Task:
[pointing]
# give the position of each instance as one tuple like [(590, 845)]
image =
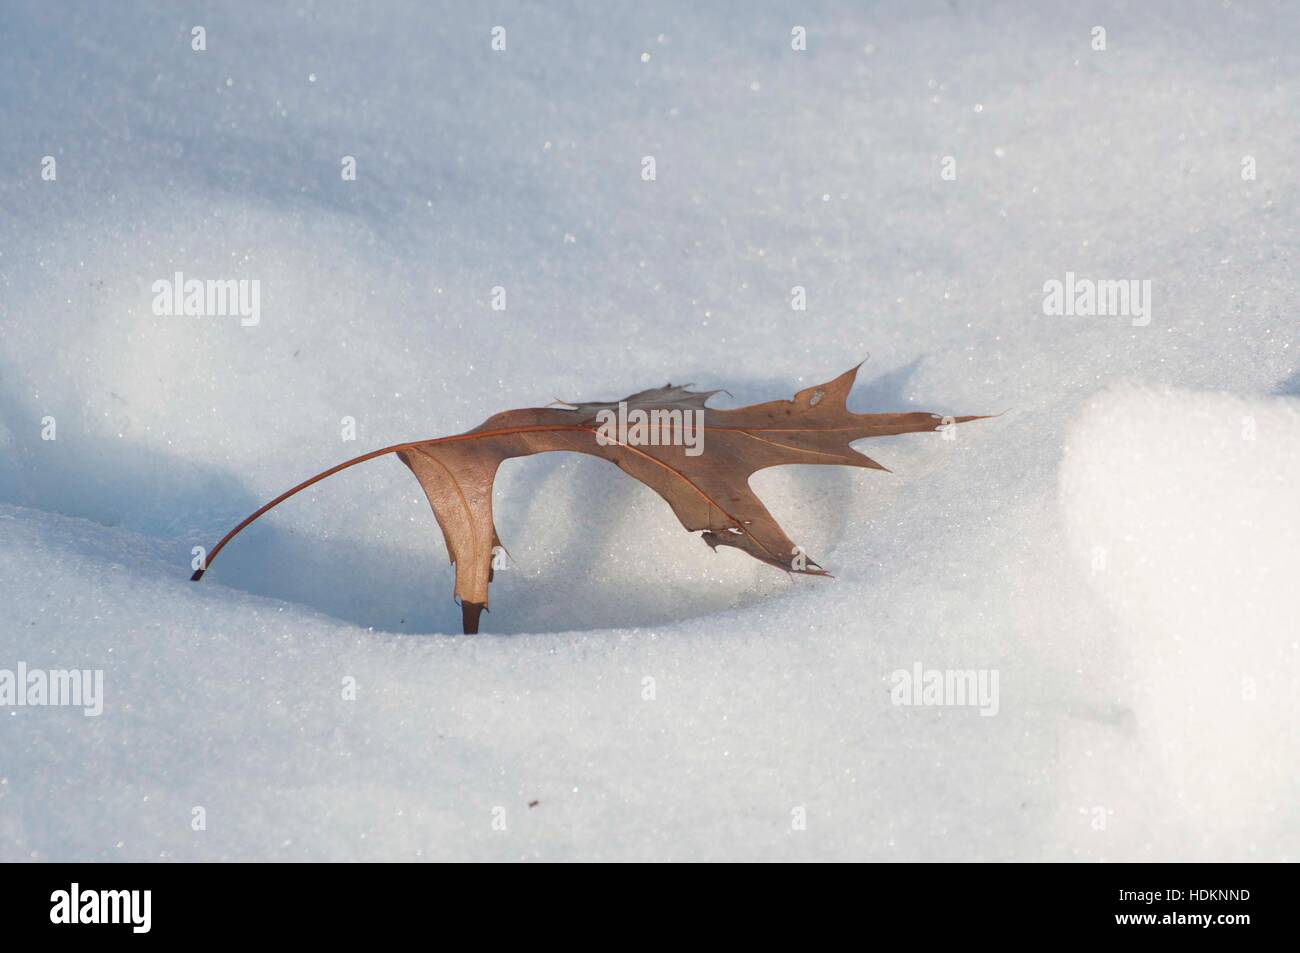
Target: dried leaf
[(698, 458)]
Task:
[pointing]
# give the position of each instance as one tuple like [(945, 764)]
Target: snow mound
[(1182, 511)]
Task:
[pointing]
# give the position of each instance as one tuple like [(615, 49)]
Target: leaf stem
[(207, 563)]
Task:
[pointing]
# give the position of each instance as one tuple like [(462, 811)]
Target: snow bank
[(1183, 514)]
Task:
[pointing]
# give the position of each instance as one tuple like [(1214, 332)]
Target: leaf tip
[(469, 614)]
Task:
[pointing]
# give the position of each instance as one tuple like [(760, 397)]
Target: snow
[(1147, 694), (1183, 506)]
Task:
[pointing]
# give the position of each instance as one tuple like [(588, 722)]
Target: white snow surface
[(1120, 545)]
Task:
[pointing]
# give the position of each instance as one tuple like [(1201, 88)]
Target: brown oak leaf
[(698, 458)]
